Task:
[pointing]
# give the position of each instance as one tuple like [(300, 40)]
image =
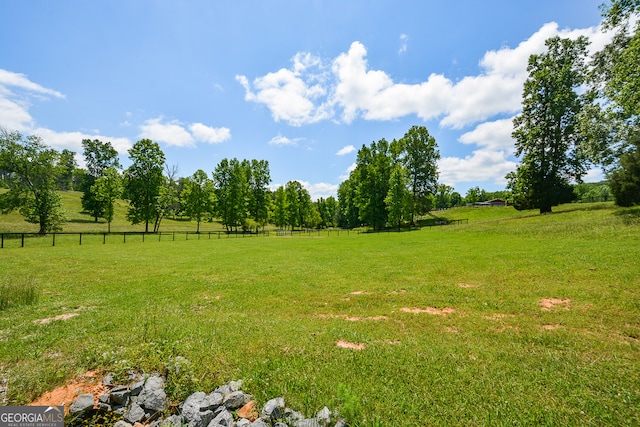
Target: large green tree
[(198, 197), (232, 191), (624, 180), (31, 170), (259, 195), (348, 215), (398, 199), (371, 179), (143, 181), (106, 190), (547, 132), (99, 156), (419, 153)]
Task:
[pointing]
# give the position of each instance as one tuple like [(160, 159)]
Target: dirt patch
[(467, 285), (451, 330), (350, 345), (352, 318), (551, 327), (249, 411), (361, 293), (401, 291), (498, 316), (67, 394), (65, 316), (549, 304), (429, 310)]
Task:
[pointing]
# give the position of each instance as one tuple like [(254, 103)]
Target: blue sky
[(302, 84)]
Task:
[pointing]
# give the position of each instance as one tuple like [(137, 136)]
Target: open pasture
[(512, 319)]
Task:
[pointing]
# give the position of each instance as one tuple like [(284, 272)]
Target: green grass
[(269, 311)]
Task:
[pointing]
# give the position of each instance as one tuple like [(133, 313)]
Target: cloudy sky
[(300, 83)]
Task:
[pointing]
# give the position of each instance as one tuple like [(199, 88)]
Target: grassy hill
[(511, 319)]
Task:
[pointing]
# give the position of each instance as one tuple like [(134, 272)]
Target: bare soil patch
[(467, 285), (451, 330), (401, 291), (498, 316), (88, 382), (361, 293), (352, 318), (350, 345), (551, 327), (429, 310), (65, 316), (549, 304)]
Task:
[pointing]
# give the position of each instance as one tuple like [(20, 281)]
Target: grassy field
[(511, 319)]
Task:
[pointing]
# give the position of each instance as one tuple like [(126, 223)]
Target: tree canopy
[(31, 171), (547, 132)]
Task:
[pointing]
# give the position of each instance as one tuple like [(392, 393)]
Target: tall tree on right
[(547, 132)]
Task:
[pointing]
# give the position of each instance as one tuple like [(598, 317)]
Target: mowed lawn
[(511, 319)]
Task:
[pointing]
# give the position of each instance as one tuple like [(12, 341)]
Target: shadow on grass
[(629, 216)]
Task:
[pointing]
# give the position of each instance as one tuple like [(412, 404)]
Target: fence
[(52, 239)]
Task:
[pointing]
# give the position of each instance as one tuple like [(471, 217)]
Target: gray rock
[(211, 402), (308, 422), (259, 423), (224, 389), (108, 380), (122, 424), (84, 402), (235, 385), (119, 396), (223, 419), (243, 422), (136, 387), (134, 414), (235, 400), (273, 409), (279, 424), (324, 416), (194, 412), (172, 421), (292, 416), (103, 398), (341, 423), (152, 397), (104, 407)]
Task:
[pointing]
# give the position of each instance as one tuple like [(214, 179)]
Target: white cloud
[(291, 94), (178, 134), (346, 150), (481, 165), (73, 140), (308, 93), (348, 171), (404, 39), (283, 140), (208, 134), (16, 94), (320, 189), (494, 135), (171, 133), (9, 78)]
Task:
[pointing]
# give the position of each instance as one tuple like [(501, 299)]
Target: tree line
[(576, 112)]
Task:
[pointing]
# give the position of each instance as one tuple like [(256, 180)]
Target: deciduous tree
[(98, 156), (547, 132), (31, 171), (198, 197), (106, 190), (143, 181)]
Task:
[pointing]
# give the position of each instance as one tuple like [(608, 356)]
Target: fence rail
[(57, 238)]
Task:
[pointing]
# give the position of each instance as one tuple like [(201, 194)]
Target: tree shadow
[(629, 216)]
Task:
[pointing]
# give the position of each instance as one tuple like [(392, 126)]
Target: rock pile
[(144, 402)]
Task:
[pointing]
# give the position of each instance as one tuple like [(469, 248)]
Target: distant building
[(490, 203)]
